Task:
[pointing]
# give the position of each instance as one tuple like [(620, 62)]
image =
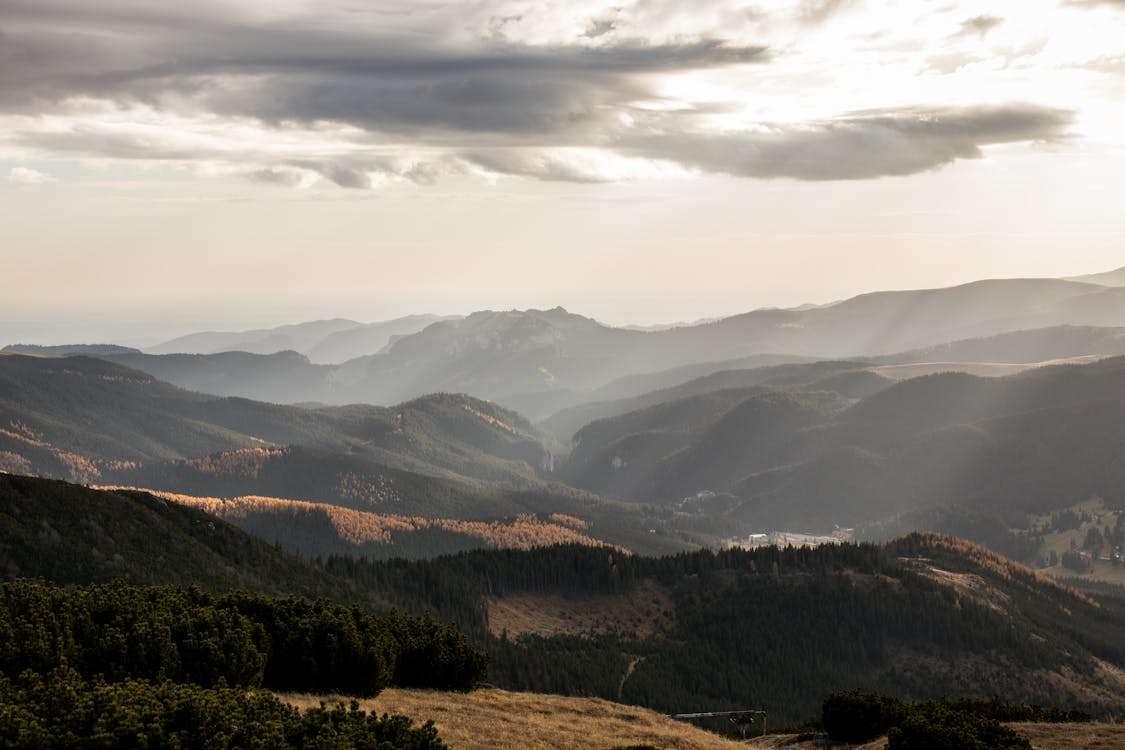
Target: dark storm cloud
[(383, 83), (864, 145)]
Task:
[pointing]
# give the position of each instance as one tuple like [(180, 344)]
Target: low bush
[(62, 710), (855, 716), (941, 728)]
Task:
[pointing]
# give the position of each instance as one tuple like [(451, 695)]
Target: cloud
[(819, 11), (25, 176), (979, 25), (286, 92), (858, 146)]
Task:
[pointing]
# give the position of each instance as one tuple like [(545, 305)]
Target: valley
[(647, 375), (675, 539)]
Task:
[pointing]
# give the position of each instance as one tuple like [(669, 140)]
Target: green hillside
[(922, 617), (918, 618), (71, 535)]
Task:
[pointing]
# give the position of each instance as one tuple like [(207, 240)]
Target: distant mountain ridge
[(69, 350), (1115, 277), (1022, 346), (297, 336), (323, 341), (541, 361)]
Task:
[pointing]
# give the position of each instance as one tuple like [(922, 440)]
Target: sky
[(236, 164)]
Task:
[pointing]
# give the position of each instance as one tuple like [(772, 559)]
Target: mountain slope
[(297, 337), (490, 718), (302, 474), (850, 379), (1115, 277), (919, 618), (776, 629), (281, 377), (1027, 346), (69, 534), (368, 339), (1030, 443), (322, 529), (69, 350), (75, 417), (323, 341)]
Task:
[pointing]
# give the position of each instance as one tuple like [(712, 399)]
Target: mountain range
[(807, 446), (854, 447), (539, 362), (322, 341), (658, 440), (443, 457), (558, 456)]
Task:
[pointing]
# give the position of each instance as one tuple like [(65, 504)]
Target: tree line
[(117, 632), (773, 628)]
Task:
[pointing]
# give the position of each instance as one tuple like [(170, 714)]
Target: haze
[(247, 164)]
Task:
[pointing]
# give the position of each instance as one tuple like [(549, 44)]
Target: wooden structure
[(741, 719)]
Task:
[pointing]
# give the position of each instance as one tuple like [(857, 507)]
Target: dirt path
[(628, 673)]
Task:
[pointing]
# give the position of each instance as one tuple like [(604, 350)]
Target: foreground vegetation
[(857, 717), (62, 710), (119, 632), (777, 629), (490, 718), (770, 628), (113, 665)]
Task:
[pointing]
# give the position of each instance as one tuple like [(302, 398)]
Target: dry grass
[(1073, 736), (644, 611), (1091, 736), (493, 719), (969, 585), (487, 719), (358, 527)]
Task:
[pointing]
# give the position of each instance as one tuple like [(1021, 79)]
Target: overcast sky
[(232, 164)]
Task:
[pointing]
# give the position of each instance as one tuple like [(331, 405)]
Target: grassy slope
[(490, 719), (1042, 737)]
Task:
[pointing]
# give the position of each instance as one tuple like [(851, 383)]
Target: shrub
[(854, 716), (61, 710), (940, 728)]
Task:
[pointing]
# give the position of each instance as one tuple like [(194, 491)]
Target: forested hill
[(71, 535), (73, 417), (922, 617)]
